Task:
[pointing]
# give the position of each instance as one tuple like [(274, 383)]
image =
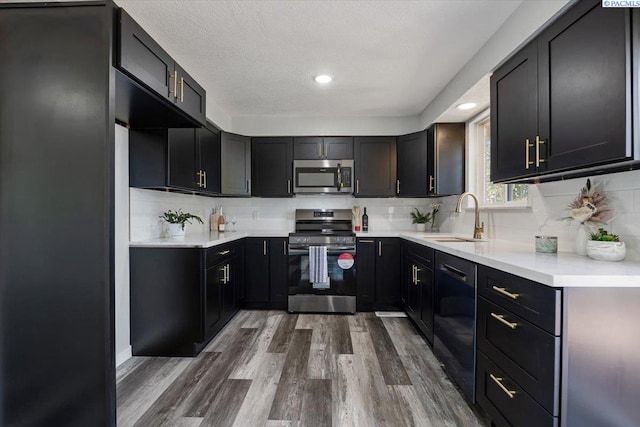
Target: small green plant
[(418, 217), (602, 236), (179, 217)]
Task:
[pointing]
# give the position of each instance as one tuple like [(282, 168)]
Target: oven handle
[(333, 251)]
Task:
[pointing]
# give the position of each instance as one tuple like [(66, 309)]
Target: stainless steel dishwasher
[(455, 319)]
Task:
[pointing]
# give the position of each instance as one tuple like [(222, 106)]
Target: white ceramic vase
[(176, 231), (421, 227), (582, 237), (606, 251)]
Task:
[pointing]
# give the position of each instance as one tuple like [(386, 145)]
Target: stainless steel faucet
[(478, 228)]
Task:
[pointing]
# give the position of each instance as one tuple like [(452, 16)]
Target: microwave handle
[(339, 183)]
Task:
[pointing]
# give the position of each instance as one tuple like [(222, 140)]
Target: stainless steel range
[(322, 262)]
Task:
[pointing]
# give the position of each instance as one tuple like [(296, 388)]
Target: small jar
[(546, 244)]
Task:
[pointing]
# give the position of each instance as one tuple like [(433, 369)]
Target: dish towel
[(318, 269)]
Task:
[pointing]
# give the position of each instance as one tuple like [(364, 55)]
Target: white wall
[(121, 245), (548, 205)]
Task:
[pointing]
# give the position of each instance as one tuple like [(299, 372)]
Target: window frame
[(475, 168)]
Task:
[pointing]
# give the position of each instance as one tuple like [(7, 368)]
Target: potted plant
[(177, 220), (420, 219), (603, 246)]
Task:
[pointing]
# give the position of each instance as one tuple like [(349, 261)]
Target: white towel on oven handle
[(318, 268)]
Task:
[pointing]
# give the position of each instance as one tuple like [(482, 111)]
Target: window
[(490, 194)]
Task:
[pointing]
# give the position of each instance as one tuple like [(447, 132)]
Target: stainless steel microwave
[(322, 176)]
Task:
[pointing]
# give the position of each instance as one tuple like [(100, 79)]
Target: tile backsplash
[(547, 205)]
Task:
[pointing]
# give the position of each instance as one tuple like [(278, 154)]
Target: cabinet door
[(278, 273), (213, 298), (209, 143), (190, 96), (183, 166), (366, 277), (308, 148), (413, 291), (412, 165), (338, 147), (256, 278), (514, 117), (235, 164), (388, 274), (584, 94), (271, 167), (375, 166), (424, 276), (142, 58), (445, 154), (229, 290)]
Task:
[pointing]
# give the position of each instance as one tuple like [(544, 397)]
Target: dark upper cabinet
[(431, 162), (184, 159), (318, 147), (445, 158), (412, 165), (514, 115), (563, 102), (584, 77), (272, 167), (375, 166), (141, 58), (235, 164)]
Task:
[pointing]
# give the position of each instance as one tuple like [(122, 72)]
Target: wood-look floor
[(270, 368)]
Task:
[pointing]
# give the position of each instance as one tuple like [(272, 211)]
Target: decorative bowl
[(606, 251)]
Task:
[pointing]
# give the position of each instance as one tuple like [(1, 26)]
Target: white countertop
[(563, 269)]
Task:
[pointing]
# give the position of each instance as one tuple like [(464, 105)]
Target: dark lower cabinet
[(378, 284), (182, 297), (417, 279), (266, 273)]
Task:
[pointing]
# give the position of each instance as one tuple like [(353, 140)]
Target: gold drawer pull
[(366, 241), (224, 252), (504, 291), (500, 318), (510, 393)]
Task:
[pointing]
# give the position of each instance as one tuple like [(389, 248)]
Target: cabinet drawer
[(528, 354), (423, 253), (217, 253), (539, 304), (505, 401)]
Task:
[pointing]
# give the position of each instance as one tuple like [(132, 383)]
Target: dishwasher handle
[(453, 272)]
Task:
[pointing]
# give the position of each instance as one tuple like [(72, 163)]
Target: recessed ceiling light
[(466, 106), (323, 79)]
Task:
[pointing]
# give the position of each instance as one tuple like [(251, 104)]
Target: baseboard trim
[(123, 356)]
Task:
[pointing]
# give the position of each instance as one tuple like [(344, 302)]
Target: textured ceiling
[(257, 58)]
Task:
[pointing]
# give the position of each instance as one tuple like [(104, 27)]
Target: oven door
[(341, 265)]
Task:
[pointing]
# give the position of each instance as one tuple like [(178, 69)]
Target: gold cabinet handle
[(181, 89), (431, 183), (288, 186), (357, 186), (284, 247), (264, 247), (366, 241), (249, 186), (538, 159), (498, 381), (204, 173), (413, 274), (500, 318), (418, 270), (173, 76), (527, 161), (224, 252), (504, 292), (228, 273), (379, 248), (223, 270), (397, 186), (200, 184)]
